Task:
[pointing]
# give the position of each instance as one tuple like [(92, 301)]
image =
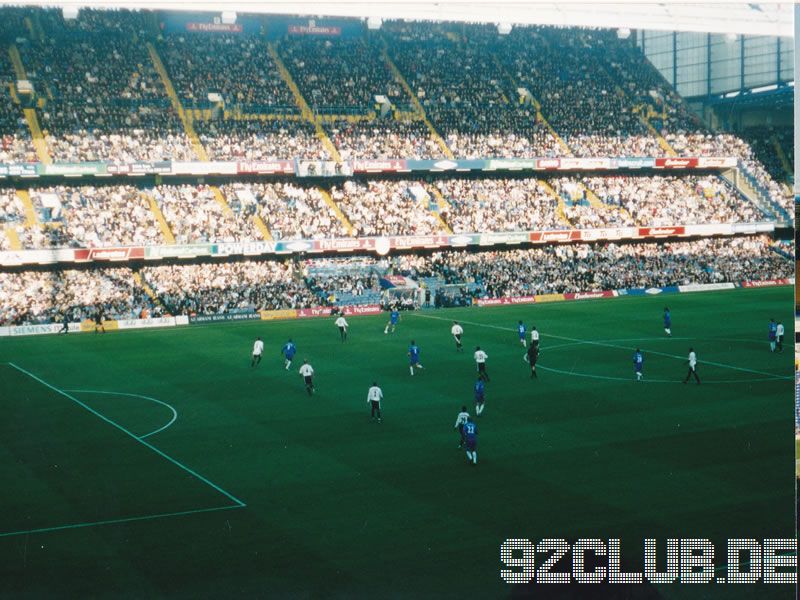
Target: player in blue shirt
[(638, 363), (288, 351), (667, 321), (773, 333), (394, 317), (413, 357), (479, 388), (521, 329), (471, 441)]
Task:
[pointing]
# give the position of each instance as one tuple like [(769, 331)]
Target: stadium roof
[(773, 19)]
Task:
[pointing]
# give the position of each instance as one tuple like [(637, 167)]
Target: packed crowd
[(477, 205), (12, 215), (384, 138), (46, 296), (195, 214), (231, 139), (74, 295), (341, 76), (90, 217), (102, 216), (385, 207), (238, 68), (229, 287), (103, 96), (469, 99), (15, 137), (658, 201), (288, 210), (583, 267), (706, 144), (566, 71), (763, 139)]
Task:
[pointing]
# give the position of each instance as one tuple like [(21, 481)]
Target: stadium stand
[(103, 98), (265, 285), (223, 288), (50, 296)]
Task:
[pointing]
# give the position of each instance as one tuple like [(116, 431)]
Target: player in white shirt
[(461, 419), (480, 360), (779, 332), (457, 332), (534, 336), (307, 371), (342, 325), (374, 397), (692, 367), (258, 350)]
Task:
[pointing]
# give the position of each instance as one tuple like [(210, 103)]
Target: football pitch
[(159, 463)]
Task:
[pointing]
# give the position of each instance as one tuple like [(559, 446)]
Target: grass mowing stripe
[(133, 435), (607, 345), (123, 520)]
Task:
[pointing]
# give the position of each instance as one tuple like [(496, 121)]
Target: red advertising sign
[(505, 301), (325, 311), (676, 163), (766, 283), (589, 295), (548, 163), (366, 309), (716, 162), (215, 27), (416, 241), (345, 244), (89, 254), (555, 236), (661, 231), (361, 166), (265, 166), (313, 29)]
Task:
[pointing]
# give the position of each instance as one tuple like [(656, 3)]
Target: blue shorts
[(471, 443), (638, 369)]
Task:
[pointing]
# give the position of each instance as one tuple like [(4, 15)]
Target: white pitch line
[(127, 432), (607, 345), (159, 430)]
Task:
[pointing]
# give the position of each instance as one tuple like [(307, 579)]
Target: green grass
[(337, 506)]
